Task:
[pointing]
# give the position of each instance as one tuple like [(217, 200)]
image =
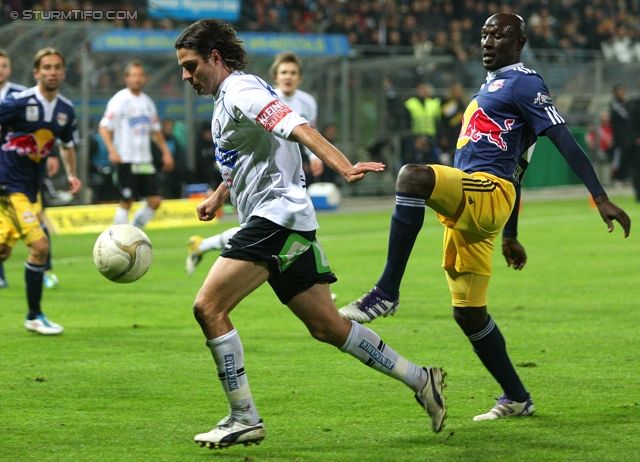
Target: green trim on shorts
[(295, 246), (322, 264)]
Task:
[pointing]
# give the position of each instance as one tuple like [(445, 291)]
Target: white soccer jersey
[(305, 105), (131, 119), (262, 170), (302, 103)]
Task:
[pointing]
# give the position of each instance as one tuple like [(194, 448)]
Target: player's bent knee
[(331, 333), (416, 179), (470, 319), (39, 250)]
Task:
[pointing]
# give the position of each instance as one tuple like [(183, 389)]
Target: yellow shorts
[(473, 208), (18, 220), (37, 205)]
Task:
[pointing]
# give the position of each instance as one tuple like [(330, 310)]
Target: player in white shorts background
[(129, 124)]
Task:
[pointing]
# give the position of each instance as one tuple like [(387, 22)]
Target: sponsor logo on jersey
[(542, 99), (272, 114), (143, 119), (28, 217), (477, 124), (496, 85), (35, 145), (61, 118), (376, 355), (32, 114)]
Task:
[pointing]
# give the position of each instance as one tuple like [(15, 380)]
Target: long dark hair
[(213, 34)]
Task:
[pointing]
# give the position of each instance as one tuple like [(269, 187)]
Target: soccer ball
[(123, 253)]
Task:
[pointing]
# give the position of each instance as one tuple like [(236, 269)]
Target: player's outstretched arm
[(581, 165), (332, 156), (610, 211)]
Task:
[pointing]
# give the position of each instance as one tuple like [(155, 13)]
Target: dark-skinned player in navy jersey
[(479, 198)]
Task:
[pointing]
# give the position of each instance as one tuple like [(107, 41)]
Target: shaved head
[(503, 39), (511, 23)]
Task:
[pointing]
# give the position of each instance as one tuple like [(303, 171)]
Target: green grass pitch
[(131, 379)]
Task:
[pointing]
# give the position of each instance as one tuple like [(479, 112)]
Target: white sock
[(218, 241), (365, 345), (229, 357), (121, 217), (142, 216)]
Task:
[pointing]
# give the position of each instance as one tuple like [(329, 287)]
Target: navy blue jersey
[(30, 127), (502, 123), (9, 88)]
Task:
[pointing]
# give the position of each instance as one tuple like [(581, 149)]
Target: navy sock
[(33, 276), (491, 348), (406, 223), (2, 271), (47, 265)]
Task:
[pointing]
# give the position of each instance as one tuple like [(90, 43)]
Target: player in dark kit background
[(479, 198), (32, 121)]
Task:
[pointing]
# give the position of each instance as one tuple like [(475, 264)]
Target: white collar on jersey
[(493, 74), (48, 106)]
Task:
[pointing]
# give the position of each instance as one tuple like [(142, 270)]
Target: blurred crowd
[(438, 27)]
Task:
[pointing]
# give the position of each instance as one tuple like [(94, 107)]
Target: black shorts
[(295, 258), (133, 186)]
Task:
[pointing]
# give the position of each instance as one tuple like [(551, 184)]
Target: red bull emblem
[(477, 124), (496, 85), (35, 145)]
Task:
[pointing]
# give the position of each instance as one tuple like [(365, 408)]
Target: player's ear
[(521, 43)]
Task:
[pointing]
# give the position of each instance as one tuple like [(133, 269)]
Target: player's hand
[(206, 210), (610, 211), (53, 165), (167, 162), (317, 167), (114, 157), (74, 184), (358, 171), (514, 253)]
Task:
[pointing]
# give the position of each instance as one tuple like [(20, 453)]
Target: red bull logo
[(477, 124), (35, 145)]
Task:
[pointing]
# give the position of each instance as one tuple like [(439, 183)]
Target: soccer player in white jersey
[(256, 137), (127, 127), (286, 72)]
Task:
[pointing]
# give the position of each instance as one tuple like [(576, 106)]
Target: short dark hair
[(206, 35), (46, 52)]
